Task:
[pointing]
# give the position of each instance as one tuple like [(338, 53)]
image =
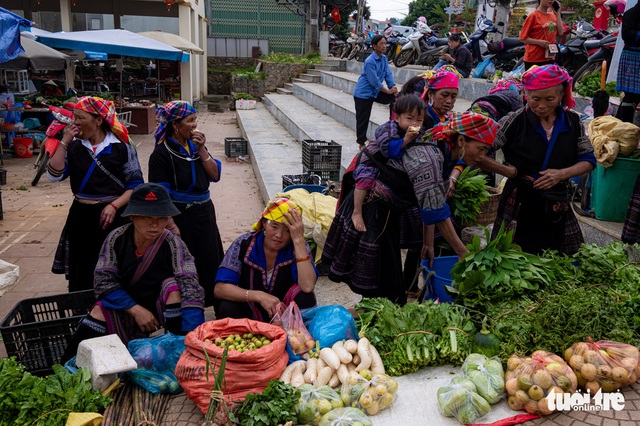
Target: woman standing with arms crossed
[(181, 163), (96, 154)]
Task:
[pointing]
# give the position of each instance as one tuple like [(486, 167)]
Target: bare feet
[(358, 222), (361, 146)]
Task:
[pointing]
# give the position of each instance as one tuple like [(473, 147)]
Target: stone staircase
[(319, 105)]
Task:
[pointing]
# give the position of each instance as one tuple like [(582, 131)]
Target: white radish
[(376, 361), (330, 358), (344, 355), (288, 372), (351, 345), (320, 364), (324, 376), (343, 372), (351, 366), (356, 359), (310, 374), (297, 379), (364, 353), (334, 382)]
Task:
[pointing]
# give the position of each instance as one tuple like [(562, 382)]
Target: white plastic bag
[(9, 274)]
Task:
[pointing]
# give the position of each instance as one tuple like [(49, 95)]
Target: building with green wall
[(262, 19)]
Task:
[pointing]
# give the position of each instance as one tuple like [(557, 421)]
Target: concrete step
[(303, 121), (274, 152), (313, 78), (339, 105), (337, 63), (301, 80), (325, 67), (288, 86), (284, 91), (313, 71), (599, 232)]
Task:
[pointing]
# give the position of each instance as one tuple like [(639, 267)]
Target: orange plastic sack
[(245, 372), (603, 365), (289, 318), (529, 380)]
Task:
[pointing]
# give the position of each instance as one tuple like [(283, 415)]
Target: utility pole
[(359, 29)]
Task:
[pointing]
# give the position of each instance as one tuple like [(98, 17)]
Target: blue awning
[(10, 23), (113, 42)]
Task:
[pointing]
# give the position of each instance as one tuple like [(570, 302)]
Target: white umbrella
[(174, 41)]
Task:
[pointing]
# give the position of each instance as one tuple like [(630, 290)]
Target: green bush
[(309, 58), (244, 95)]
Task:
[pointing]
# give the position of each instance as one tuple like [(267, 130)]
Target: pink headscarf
[(443, 80), (508, 83), (536, 78)]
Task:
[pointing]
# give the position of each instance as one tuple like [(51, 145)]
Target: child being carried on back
[(399, 132)]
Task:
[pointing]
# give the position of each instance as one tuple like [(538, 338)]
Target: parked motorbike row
[(582, 55)]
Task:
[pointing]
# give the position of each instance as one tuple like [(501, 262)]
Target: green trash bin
[(611, 189)]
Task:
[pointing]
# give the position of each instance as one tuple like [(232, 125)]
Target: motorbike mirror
[(501, 24)]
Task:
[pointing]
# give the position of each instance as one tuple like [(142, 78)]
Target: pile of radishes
[(334, 364)]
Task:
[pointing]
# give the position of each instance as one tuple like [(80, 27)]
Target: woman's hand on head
[(549, 178), (294, 223)]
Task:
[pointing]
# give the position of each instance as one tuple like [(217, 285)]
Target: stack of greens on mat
[(416, 335), (471, 192)]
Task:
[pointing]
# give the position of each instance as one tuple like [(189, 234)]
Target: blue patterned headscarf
[(172, 111)]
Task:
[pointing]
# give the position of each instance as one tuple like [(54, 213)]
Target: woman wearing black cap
[(145, 277)]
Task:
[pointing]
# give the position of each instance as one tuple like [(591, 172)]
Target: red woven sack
[(245, 372)]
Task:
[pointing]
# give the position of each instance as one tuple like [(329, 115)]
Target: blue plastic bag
[(329, 324), (157, 358), (478, 72)]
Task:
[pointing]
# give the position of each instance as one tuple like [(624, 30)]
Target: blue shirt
[(374, 71)]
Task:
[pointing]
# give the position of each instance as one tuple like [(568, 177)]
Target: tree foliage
[(433, 10)]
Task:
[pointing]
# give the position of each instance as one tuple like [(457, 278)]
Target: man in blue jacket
[(370, 89)]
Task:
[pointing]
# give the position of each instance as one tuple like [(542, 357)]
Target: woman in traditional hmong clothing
[(506, 97), (545, 146), (181, 163), (369, 262), (628, 80), (631, 228), (97, 155), (145, 276), (270, 265)]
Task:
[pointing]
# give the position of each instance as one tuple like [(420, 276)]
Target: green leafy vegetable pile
[(470, 193), (589, 85), (501, 270), (276, 405), (29, 400), (416, 335)]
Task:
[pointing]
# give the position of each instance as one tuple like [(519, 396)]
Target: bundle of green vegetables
[(501, 270), (416, 335), (471, 192)]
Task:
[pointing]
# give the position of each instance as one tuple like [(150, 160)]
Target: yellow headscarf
[(275, 211)]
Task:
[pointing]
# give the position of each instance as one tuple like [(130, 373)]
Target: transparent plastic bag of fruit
[(367, 391), (289, 318), (487, 374), (459, 399), (529, 381), (315, 402), (603, 365), (346, 416)]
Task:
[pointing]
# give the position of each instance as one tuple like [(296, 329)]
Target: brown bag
[(245, 372)]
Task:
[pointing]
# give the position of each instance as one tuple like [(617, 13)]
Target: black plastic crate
[(325, 175), (305, 179), (37, 330), (321, 155), (235, 147)]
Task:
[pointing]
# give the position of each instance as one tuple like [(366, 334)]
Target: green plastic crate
[(611, 189)]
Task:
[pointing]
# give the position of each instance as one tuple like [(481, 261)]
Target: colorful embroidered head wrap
[(536, 78), (106, 110), (508, 83), (172, 111), (471, 124), (443, 80), (275, 211)]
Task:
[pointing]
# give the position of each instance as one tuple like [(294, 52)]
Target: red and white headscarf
[(106, 110), (471, 124), (541, 77)]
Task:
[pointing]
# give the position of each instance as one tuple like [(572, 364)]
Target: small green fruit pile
[(241, 343)]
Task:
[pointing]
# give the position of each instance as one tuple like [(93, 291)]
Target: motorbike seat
[(591, 44), (442, 41), (511, 42)]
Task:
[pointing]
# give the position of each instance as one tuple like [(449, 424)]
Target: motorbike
[(362, 45), (336, 46), (63, 116), (594, 64), (575, 52), (349, 45), (421, 50), (504, 54), (394, 43)]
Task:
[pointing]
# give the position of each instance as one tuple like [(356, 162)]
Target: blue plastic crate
[(442, 267)]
